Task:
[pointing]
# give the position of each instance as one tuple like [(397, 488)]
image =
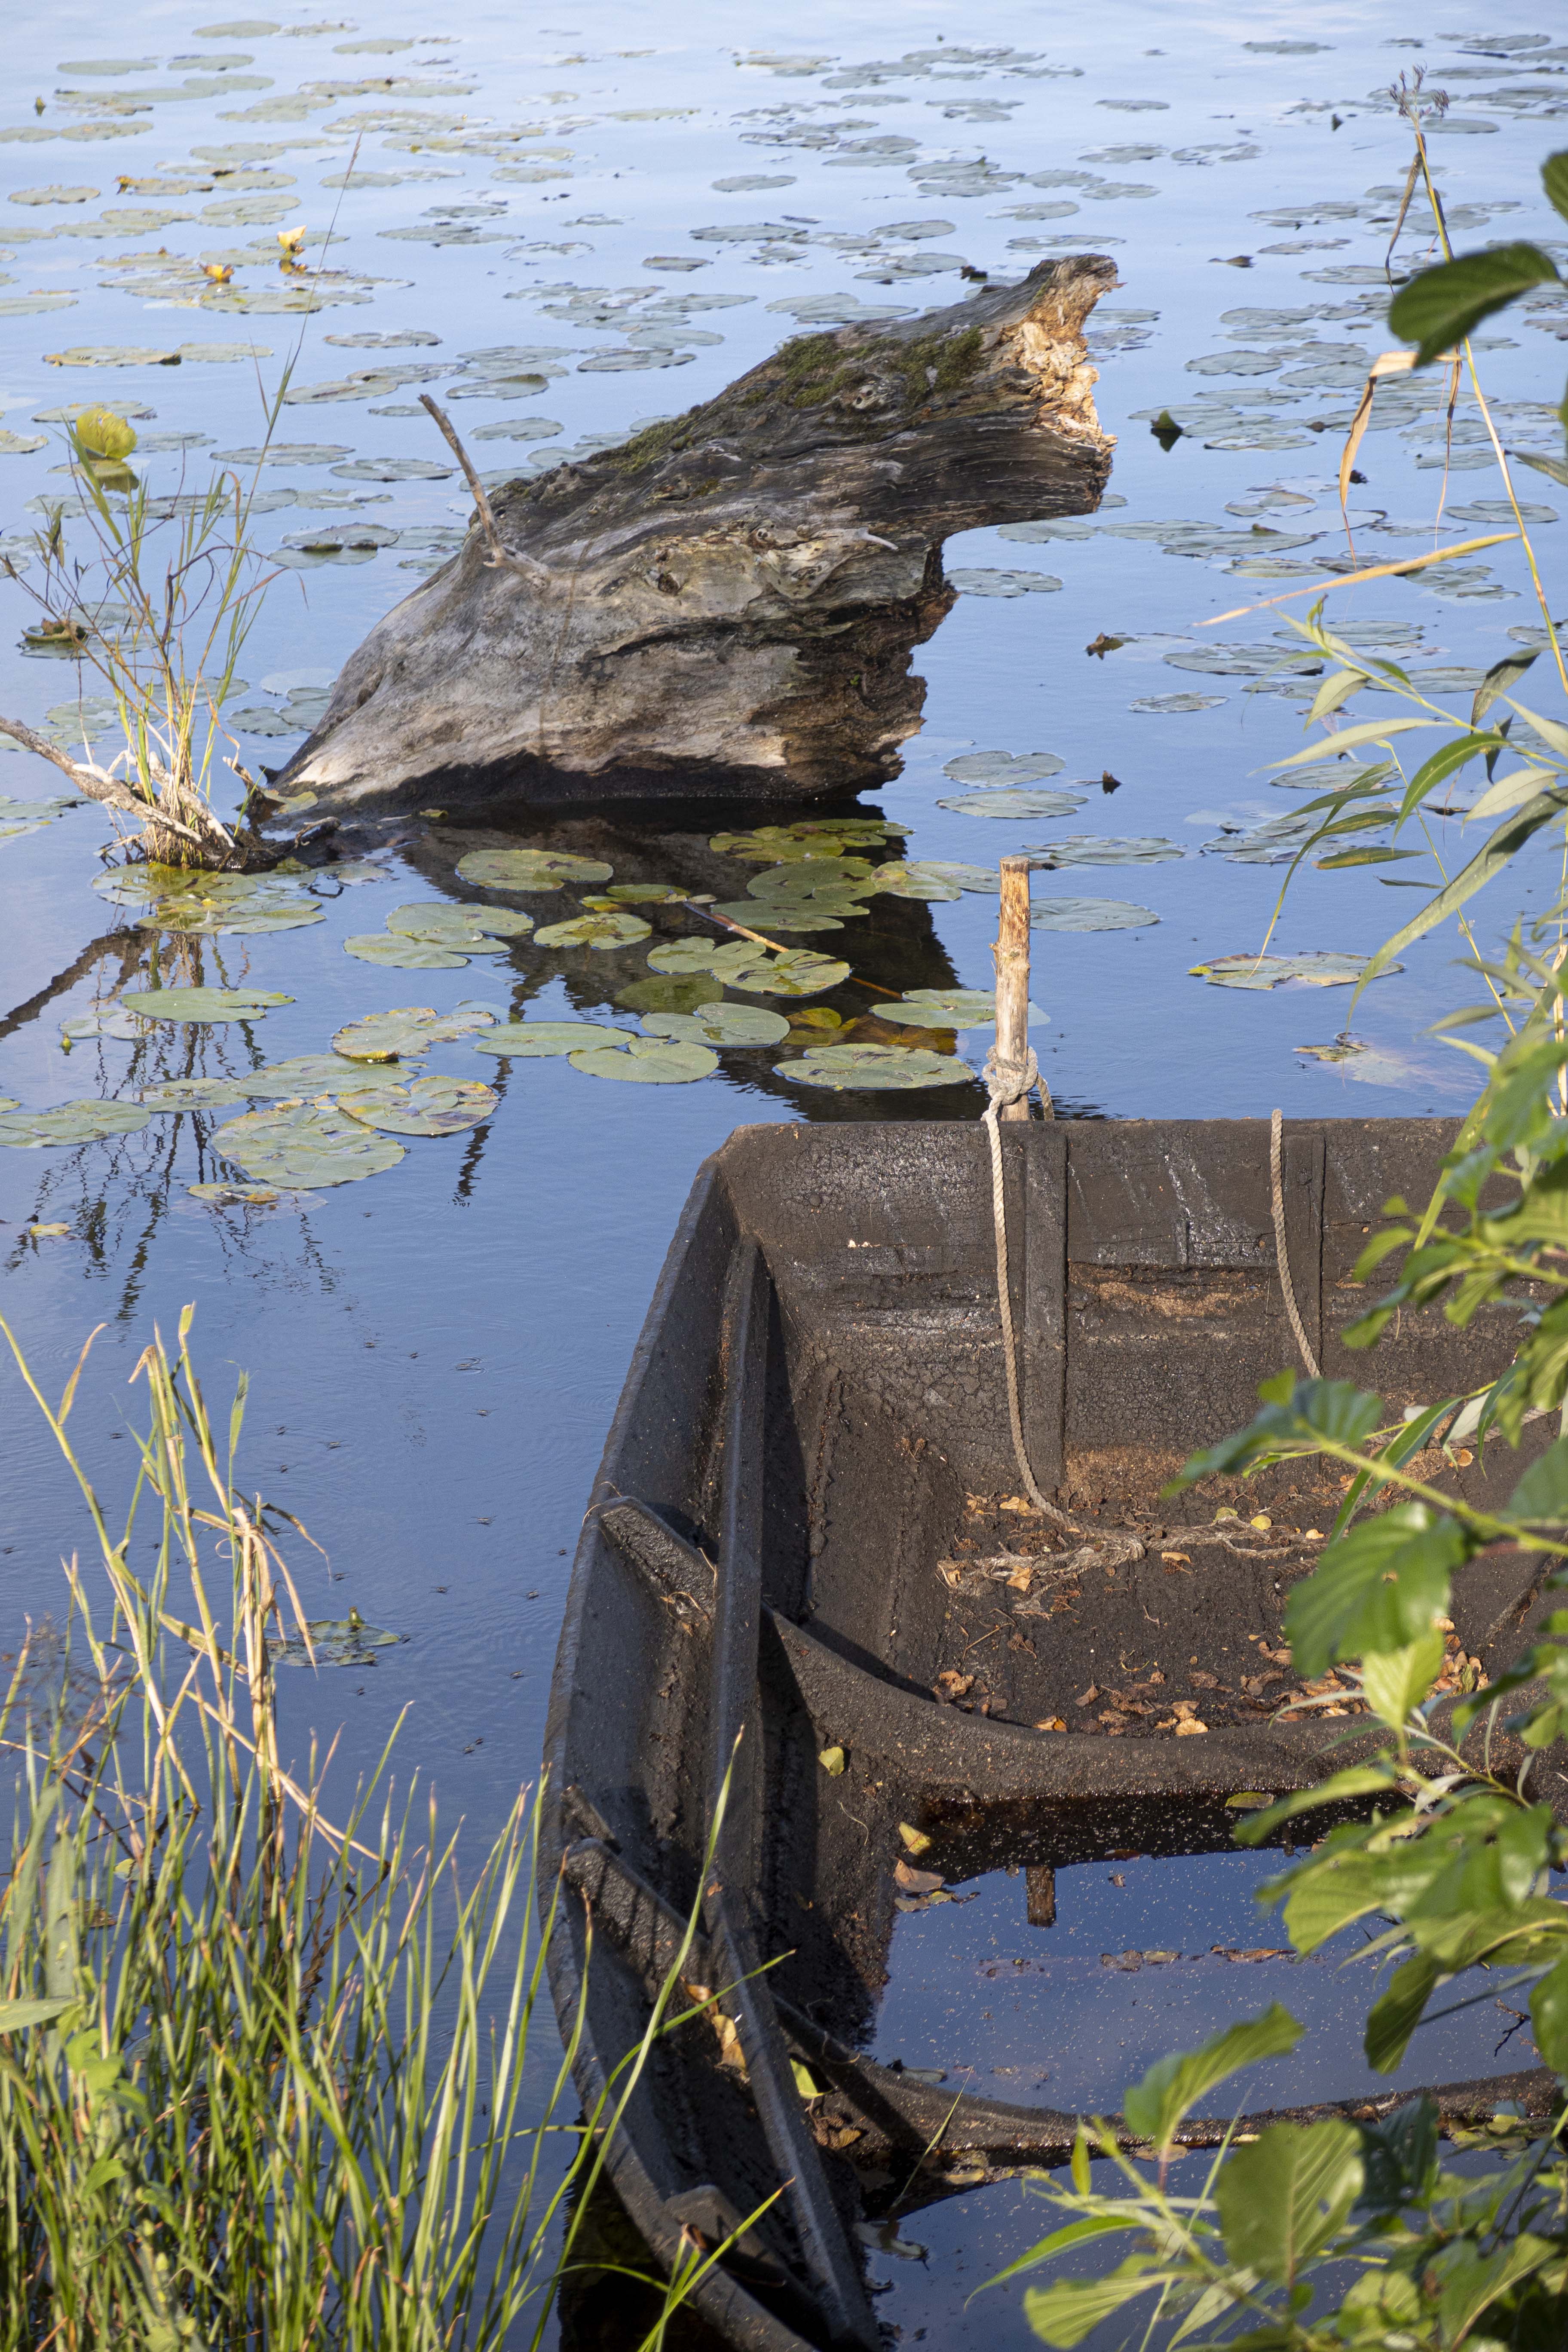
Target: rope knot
[(1007, 1081)]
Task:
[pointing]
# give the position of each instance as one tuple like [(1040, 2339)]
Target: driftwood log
[(728, 602)]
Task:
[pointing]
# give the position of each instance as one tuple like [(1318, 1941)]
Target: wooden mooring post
[(1012, 958)]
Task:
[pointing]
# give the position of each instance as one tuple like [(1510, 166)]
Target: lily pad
[(671, 992), (546, 1040), (813, 837), (853, 1068), (1158, 702), (333, 1642), (310, 1073), (944, 1008), (644, 894), (72, 1122), (424, 1107), (595, 931), (477, 930), (393, 470), (401, 954), (792, 914), (202, 1003), (1014, 804), (529, 869), (649, 1061), (1320, 967), (984, 879), (109, 1021), (407, 1030), (797, 972), (722, 1024), (814, 877), (192, 1093), (234, 1196), (980, 581), (1089, 849), (1088, 915), (305, 1146), (211, 906), (1002, 767), (916, 879)]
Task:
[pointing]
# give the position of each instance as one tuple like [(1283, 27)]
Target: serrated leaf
[(1379, 1587), (1282, 2199), (1154, 2108)]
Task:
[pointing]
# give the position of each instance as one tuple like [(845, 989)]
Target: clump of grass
[(157, 607), (261, 2076)]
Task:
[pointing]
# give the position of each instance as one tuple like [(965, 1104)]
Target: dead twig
[(500, 555)]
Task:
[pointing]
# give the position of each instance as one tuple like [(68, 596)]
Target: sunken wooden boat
[(807, 1521)]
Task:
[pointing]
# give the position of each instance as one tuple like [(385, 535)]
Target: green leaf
[(1442, 306), (1474, 2281), (1365, 857), (1296, 1417), (1510, 837), (1497, 680), (17, 2014), (1549, 2017), (1400, 2154), (1371, 730), (1358, 1780), (1154, 2107), (1063, 2313), (1075, 2233), (1554, 467), (1542, 1493), (1393, 2018), (1550, 731), (1282, 2199), (1379, 1587), (1396, 1681), (1554, 179)]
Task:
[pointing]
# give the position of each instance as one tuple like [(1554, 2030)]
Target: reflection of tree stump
[(729, 602)]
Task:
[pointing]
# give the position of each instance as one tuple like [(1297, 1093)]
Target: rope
[(1009, 1082), (1281, 1256)]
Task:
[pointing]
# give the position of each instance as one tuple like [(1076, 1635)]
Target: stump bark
[(727, 604)]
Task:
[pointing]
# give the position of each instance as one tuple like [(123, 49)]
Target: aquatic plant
[(1313, 2237), (158, 607), (261, 2072)]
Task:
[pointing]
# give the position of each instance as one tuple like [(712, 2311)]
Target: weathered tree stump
[(728, 602)]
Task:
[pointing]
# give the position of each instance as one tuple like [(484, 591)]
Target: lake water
[(431, 1397)]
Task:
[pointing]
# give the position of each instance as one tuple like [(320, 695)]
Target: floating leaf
[(851, 1068), (1156, 702), (402, 954), (722, 1025), (540, 1040), (652, 1061), (812, 837), (1088, 915), (309, 1073), (1002, 767), (305, 1146), (112, 1020), (407, 1030), (671, 993), (1089, 849), (1322, 967), (469, 927), (595, 931), (915, 877), (202, 1003), (945, 1008), (979, 580), (192, 1093), (814, 877), (644, 894), (424, 1107), (234, 1196), (529, 869), (804, 914), (333, 1642), (209, 905), (797, 972), (1014, 805), (72, 1122)]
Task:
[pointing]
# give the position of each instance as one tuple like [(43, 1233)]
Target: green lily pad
[(424, 1107), (851, 1068), (1014, 804), (333, 1642), (671, 993), (813, 837), (1320, 967), (470, 928), (595, 931), (792, 914), (916, 879), (202, 1003), (737, 964), (945, 1008), (1089, 849), (651, 1061), (112, 1020), (198, 921), (1002, 767), (179, 898), (722, 1024), (1088, 915), (529, 869), (407, 1030), (812, 876), (403, 955), (984, 879), (541, 1040), (305, 1146), (312, 1073), (646, 893), (72, 1122), (192, 1093), (234, 1196)]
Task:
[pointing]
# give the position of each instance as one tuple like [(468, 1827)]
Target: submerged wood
[(728, 602)]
